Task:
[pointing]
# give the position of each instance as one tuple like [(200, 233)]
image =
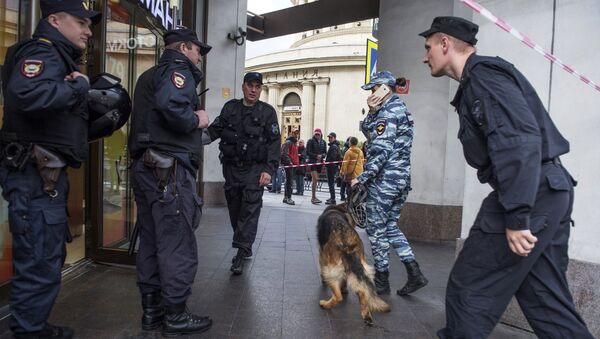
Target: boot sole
[(176, 334), (151, 327)]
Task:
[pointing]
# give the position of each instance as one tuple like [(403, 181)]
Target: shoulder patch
[(178, 80), (32, 68), (275, 128), (380, 126)]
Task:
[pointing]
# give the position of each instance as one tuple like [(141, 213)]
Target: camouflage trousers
[(383, 212)]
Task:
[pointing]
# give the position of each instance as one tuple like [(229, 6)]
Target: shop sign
[(292, 75), (291, 108), (160, 9)]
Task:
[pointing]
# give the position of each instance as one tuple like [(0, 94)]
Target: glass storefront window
[(9, 18), (131, 48)]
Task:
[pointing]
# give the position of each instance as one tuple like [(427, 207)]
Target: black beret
[(454, 26), (73, 7), (184, 34)]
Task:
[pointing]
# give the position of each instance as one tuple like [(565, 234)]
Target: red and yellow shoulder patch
[(178, 80), (32, 68), (380, 126)]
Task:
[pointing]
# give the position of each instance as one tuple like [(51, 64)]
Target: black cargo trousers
[(487, 273), (244, 201), (167, 258)]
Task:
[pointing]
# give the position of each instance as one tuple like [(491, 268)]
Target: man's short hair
[(459, 45), (353, 141), (177, 45)]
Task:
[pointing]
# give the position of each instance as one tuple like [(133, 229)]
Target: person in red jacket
[(289, 156)]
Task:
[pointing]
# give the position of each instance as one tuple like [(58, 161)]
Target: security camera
[(239, 37)]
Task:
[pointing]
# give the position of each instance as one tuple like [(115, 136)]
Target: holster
[(161, 165), (49, 165)]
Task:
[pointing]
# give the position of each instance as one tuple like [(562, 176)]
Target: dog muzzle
[(357, 204)]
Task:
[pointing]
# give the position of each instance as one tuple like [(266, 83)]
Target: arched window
[(292, 102)]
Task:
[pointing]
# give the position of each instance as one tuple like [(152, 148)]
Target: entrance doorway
[(132, 46), (291, 116)]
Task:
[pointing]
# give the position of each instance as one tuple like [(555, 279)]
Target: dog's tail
[(360, 280)]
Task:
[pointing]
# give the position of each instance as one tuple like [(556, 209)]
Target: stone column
[(274, 98), (321, 86), (264, 95), (308, 110)]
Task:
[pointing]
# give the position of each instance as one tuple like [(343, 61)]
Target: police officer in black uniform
[(518, 244), (250, 148), (44, 130), (165, 144)]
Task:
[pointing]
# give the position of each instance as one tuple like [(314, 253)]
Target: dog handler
[(389, 131), (518, 244)]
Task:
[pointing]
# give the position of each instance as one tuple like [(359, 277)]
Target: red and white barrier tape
[(530, 43), (318, 163)]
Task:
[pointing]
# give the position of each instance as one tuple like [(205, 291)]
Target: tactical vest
[(244, 137), (147, 128), (66, 131)]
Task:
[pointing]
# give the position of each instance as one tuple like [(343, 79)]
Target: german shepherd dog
[(342, 262)]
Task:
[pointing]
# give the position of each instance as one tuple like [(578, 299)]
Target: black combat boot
[(247, 257), (50, 331), (178, 321), (416, 279), (237, 267), (382, 282), (154, 313)]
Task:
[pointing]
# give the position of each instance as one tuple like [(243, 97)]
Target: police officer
[(165, 144), (250, 153), (389, 131), (518, 243), (45, 105)]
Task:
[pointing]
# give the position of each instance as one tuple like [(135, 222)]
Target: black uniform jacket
[(506, 133), (163, 115), (249, 135), (314, 148), (42, 107)]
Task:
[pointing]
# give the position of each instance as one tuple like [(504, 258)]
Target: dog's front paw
[(325, 304), (368, 320)]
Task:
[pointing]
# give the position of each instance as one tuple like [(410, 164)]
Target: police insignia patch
[(178, 80), (380, 126), (275, 128), (32, 68)]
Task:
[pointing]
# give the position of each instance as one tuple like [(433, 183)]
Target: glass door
[(131, 47)]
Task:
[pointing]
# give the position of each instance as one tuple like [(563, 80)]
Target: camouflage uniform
[(389, 131)]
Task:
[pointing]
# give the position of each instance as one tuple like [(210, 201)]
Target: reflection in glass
[(130, 50), (8, 36)]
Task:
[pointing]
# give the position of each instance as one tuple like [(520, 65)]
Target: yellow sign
[(225, 92), (371, 66)]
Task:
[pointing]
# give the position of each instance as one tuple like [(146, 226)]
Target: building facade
[(316, 82)]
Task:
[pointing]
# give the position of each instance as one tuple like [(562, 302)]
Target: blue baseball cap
[(380, 78)]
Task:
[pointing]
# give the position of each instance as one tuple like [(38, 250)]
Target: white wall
[(574, 108), (224, 69), (437, 161), (346, 100)]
